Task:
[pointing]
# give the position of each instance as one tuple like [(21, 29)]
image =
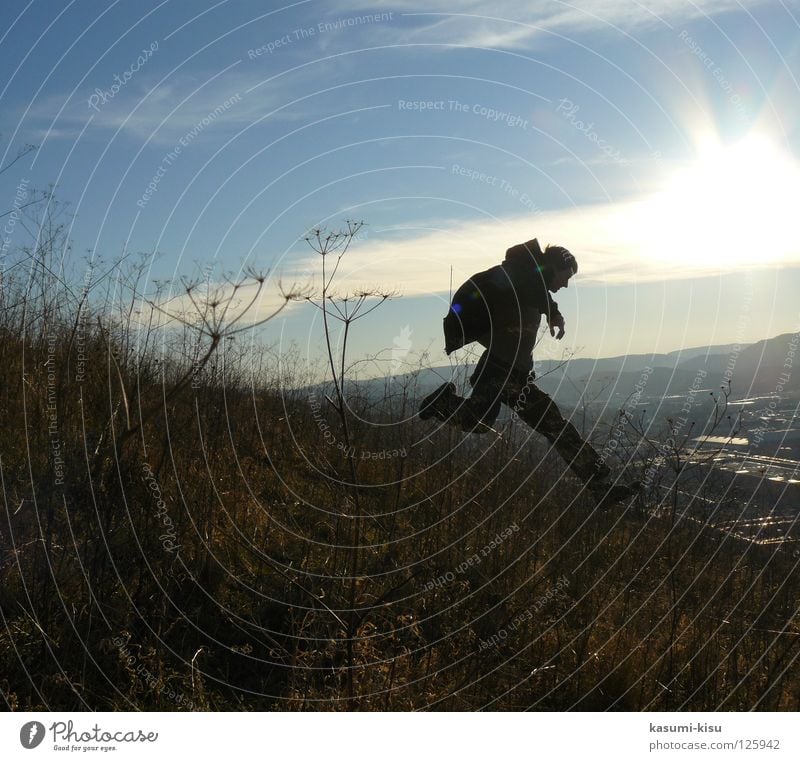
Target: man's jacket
[(501, 307)]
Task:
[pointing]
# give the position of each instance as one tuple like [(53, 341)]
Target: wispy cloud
[(511, 24), (163, 112)]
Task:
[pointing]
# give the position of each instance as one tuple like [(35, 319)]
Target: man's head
[(562, 266)]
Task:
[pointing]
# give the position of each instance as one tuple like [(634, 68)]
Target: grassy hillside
[(184, 529)]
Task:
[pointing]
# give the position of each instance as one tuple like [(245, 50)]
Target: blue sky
[(659, 141)]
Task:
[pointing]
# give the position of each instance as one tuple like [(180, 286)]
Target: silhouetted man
[(501, 309)]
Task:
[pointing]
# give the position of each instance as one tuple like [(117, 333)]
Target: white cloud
[(615, 244), (731, 208), (511, 24)]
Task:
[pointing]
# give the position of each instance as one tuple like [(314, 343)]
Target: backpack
[(470, 315)]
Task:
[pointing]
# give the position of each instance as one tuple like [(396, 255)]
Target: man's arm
[(555, 319), (541, 298)]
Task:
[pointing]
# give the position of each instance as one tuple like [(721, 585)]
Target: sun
[(732, 207)]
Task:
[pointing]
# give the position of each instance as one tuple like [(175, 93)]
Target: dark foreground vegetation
[(184, 527)]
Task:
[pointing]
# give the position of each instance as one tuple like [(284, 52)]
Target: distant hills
[(754, 369)]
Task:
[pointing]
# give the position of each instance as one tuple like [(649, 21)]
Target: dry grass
[(202, 556)]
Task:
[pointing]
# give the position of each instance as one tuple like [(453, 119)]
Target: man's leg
[(493, 382), (540, 412), (477, 412), (488, 380)]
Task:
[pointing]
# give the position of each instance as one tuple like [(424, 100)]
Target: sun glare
[(733, 207)]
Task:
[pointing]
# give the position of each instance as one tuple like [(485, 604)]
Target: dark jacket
[(502, 306)]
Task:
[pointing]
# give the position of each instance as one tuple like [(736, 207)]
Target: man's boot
[(447, 406), (607, 492), (441, 404)]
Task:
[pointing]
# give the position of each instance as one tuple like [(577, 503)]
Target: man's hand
[(556, 320)]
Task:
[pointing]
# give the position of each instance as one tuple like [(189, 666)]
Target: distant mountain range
[(754, 369)]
